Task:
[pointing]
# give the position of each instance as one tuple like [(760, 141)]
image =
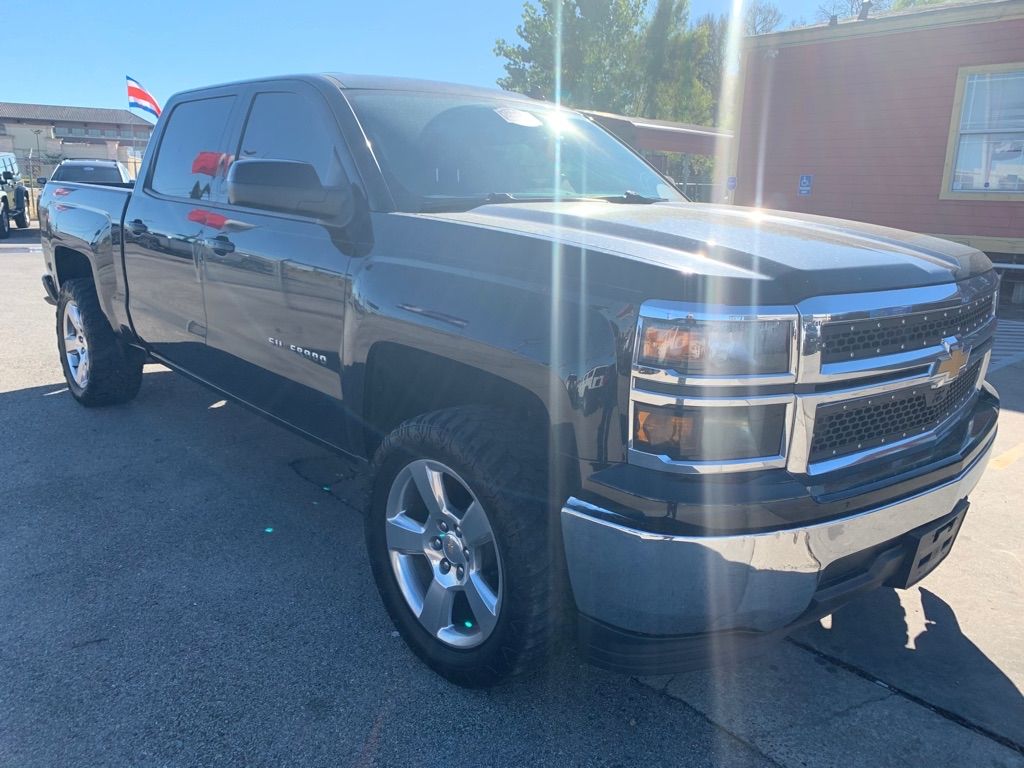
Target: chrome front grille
[(866, 423), (862, 339), (920, 356)]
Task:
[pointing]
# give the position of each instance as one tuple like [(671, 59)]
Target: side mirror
[(8, 175), (289, 186), (41, 181)]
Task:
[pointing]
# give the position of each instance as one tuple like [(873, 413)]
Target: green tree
[(669, 59), (711, 63), (600, 40)]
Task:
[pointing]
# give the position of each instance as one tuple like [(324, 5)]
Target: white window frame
[(953, 144)]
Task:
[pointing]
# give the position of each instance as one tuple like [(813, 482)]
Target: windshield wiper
[(456, 203), (629, 197)]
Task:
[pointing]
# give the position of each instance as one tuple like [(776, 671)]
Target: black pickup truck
[(589, 406)]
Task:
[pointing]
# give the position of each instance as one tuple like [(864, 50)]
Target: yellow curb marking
[(1003, 460)]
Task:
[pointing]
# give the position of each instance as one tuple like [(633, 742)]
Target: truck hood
[(802, 254)]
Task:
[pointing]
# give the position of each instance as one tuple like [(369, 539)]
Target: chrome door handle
[(219, 245)]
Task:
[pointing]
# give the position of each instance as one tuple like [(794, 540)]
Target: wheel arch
[(71, 264), (401, 382)]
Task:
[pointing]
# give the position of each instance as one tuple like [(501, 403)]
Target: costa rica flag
[(140, 98)]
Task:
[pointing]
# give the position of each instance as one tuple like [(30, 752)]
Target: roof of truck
[(378, 82), (381, 83)]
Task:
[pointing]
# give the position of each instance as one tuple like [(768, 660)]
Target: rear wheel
[(99, 370), (22, 220), (461, 544)]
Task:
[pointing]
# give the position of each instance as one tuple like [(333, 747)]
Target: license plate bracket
[(928, 546)]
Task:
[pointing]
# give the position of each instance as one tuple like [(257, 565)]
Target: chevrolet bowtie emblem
[(952, 364)]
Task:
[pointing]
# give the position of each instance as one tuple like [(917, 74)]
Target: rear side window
[(88, 174), (192, 157), (289, 126)]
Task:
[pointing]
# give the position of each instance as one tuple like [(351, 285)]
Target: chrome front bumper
[(679, 585)]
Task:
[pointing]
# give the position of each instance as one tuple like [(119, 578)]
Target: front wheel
[(5, 223), (461, 544), (98, 369)]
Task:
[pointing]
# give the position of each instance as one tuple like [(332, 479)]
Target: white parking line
[(1009, 345)]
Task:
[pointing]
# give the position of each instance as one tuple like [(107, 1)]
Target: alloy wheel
[(443, 554), (76, 347)]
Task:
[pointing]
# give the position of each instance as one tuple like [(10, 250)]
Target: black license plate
[(929, 545)]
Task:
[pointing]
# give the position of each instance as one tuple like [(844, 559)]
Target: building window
[(985, 156)]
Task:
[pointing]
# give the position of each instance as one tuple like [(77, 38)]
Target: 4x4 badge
[(951, 366)]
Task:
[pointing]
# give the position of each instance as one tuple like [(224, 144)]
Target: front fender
[(495, 302)]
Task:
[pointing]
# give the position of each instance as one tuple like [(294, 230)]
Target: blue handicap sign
[(730, 183), (806, 184)]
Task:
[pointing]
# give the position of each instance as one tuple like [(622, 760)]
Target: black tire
[(5, 223), (22, 220), (115, 372), (506, 471)]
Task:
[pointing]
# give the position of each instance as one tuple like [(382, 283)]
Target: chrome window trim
[(805, 367)]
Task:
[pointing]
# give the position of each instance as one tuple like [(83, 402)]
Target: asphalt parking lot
[(184, 583)]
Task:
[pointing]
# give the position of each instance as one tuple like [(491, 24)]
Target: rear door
[(277, 283), (164, 223)]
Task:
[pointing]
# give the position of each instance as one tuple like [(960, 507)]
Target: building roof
[(957, 13), (662, 135), (48, 113)]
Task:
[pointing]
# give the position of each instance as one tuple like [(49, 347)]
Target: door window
[(193, 154)]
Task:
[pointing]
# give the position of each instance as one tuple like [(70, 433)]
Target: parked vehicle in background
[(91, 172), (13, 195), (719, 423)]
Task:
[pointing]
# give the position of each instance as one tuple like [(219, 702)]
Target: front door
[(277, 283), (162, 231)]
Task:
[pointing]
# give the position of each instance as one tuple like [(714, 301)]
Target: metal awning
[(650, 135)]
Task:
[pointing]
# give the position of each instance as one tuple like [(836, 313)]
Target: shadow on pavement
[(191, 589), (940, 664), (29, 236)]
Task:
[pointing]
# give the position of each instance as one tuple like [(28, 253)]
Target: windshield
[(89, 174), (438, 148)]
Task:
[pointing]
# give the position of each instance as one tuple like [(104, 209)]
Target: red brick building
[(912, 120)]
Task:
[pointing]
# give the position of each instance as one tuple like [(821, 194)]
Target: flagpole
[(135, 148)]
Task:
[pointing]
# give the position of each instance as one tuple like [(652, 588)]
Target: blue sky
[(85, 49)]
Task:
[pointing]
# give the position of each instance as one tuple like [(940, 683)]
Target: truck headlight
[(719, 433), (716, 348)]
